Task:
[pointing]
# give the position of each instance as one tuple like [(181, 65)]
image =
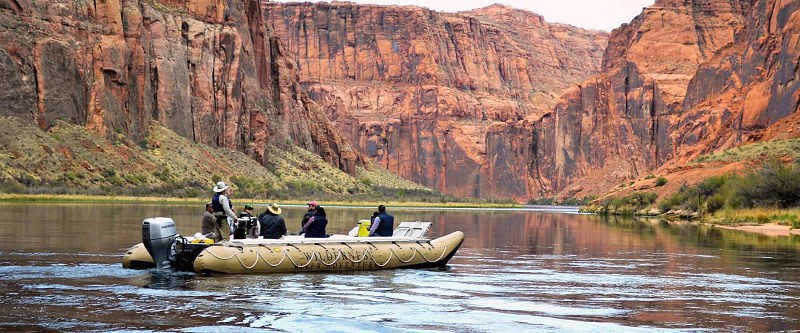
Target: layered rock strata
[(625, 122), (418, 90), (749, 91), (207, 69)]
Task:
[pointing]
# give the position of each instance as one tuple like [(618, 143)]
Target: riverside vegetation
[(69, 160), (766, 192)]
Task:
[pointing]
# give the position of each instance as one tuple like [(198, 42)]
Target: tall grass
[(790, 217), (772, 185)]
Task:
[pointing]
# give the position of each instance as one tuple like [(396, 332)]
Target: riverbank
[(761, 221), (6, 197), (769, 229), (766, 221)]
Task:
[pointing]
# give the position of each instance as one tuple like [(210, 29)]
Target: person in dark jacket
[(243, 223), (315, 227), (312, 205), (383, 224), (272, 224)]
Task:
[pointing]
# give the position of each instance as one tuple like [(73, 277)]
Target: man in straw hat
[(272, 224), (223, 209)]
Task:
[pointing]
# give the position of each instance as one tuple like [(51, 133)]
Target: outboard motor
[(158, 235)]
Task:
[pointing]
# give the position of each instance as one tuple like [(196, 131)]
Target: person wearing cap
[(209, 227), (251, 225), (383, 224), (247, 212), (312, 205), (243, 223), (223, 209), (315, 227), (272, 224)]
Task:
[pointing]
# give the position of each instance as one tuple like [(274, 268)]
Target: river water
[(535, 270)]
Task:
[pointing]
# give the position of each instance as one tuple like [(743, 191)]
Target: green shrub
[(542, 201), (670, 203), (774, 184), (715, 202), (627, 205), (661, 181), (577, 201)]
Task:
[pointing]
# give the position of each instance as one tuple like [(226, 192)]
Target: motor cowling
[(158, 235)]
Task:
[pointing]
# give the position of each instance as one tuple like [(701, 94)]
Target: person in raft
[(312, 205), (315, 227), (209, 226), (244, 222), (223, 209), (383, 224), (272, 224)]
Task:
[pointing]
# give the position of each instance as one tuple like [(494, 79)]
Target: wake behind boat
[(406, 248)]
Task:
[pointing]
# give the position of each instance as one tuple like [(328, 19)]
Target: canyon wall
[(492, 103), (684, 78), (418, 91), (621, 124), (207, 69), (749, 91), (464, 102)]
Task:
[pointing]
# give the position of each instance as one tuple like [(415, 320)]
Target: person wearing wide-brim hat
[(223, 209), (272, 224)]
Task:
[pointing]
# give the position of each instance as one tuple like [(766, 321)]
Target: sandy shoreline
[(769, 229)]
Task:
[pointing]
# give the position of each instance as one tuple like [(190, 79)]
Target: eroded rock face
[(208, 69), (418, 91), (749, 91), (624, 122), (480, 139), (665, 97)]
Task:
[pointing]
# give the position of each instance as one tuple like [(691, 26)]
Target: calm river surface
[(517, 271)]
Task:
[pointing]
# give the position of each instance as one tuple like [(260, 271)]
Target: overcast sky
[(592, 14)]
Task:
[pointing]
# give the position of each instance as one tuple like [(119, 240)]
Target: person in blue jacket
[(383, 224), (315, 227), (223, 209)]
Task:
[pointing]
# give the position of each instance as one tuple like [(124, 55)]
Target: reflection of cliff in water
[(693, 237), (695, 233)]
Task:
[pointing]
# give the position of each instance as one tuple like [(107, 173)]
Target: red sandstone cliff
[(681, 79), (749, 91), (625, 122), (720, 74), (459, 102), (418, 90), (207, 69)]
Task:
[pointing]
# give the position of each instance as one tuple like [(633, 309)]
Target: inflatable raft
[(407, 248)]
